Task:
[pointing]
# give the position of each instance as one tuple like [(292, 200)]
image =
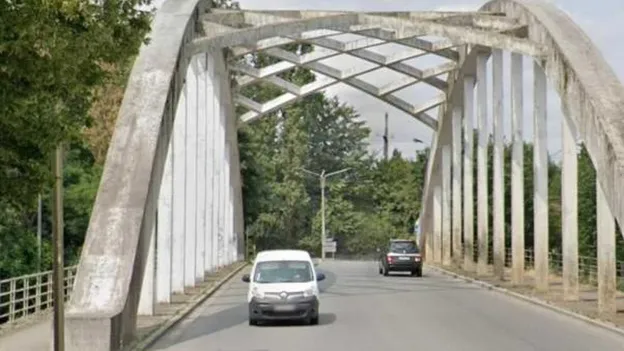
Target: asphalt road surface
[(362, 310)]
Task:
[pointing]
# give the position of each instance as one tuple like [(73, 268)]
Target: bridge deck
[(362, 310)]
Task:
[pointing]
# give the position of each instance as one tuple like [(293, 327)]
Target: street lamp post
[(323, 176)]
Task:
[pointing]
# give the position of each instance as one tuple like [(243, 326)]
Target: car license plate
[(284, 308), (404, 258)]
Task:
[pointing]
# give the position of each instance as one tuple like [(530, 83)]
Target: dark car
[(401, 256)]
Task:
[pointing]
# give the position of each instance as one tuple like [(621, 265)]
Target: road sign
[(329, 246)]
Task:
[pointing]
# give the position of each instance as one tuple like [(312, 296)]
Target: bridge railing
[(29, 295), (587, 268), (587, 265)]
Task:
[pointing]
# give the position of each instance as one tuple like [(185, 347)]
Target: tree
[(58, 60), (52, 57)]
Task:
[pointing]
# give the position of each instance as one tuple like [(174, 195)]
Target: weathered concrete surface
[(586, 84), (37, 335), (474, 28), (102, 312), (362, 310)]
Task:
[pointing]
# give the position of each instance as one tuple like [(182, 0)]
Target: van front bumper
[(272, 309)]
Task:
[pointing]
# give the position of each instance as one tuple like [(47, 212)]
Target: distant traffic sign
[(329, 246)]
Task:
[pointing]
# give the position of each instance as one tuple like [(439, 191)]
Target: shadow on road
[(208, 324), (324, 319), (235, 314), (330, 280)]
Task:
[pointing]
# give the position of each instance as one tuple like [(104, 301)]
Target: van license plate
[(284, 308)]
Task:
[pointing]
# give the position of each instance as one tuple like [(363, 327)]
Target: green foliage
[(398, 188), (52, 56), (18, 244), (18, 239)]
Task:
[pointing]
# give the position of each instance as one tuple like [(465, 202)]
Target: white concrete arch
[(113, 281), (585, 82), (583, 79), (592, 100)]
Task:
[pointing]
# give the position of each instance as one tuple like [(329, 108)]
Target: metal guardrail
[(587, 266), (30, 294)]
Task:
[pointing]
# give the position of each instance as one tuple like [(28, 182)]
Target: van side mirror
[(245, 278), (320, 276)]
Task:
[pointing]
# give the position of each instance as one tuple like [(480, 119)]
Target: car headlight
[(257, 294), (308, 293)]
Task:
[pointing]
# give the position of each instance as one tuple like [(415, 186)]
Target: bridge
[(169, 207)]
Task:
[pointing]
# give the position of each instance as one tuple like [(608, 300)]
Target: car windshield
[(403, 247), (283, 272)]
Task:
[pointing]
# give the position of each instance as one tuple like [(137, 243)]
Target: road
[(362, 310)]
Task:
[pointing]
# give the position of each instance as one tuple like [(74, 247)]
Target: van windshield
[(283, 272)]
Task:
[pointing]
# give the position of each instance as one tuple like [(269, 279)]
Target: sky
[(603, 24)]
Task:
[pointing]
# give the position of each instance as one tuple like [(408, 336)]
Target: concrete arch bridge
[(169, 206)]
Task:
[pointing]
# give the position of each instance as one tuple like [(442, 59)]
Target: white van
[(283, 286)]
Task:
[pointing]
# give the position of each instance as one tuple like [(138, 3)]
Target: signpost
[(329, 246)]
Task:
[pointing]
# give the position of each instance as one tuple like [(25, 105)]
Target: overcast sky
[(603, 24)]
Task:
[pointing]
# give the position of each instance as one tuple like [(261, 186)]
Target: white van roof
[(283, 255)]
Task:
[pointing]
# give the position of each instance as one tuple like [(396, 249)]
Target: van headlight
[(308, 292), (257, 294)]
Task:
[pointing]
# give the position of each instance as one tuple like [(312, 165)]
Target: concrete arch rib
[(105, 296), (383, 94), (586, 84), (583, 80), (270, 29)]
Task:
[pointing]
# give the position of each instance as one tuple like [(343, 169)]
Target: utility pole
[(323, 176), (39, 231), (323, 235), (57, 238), (385, 137)]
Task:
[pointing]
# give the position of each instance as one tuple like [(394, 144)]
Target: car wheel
[(314, 320), (380, 270), (419, 272), (253, 322), (385, 272)]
